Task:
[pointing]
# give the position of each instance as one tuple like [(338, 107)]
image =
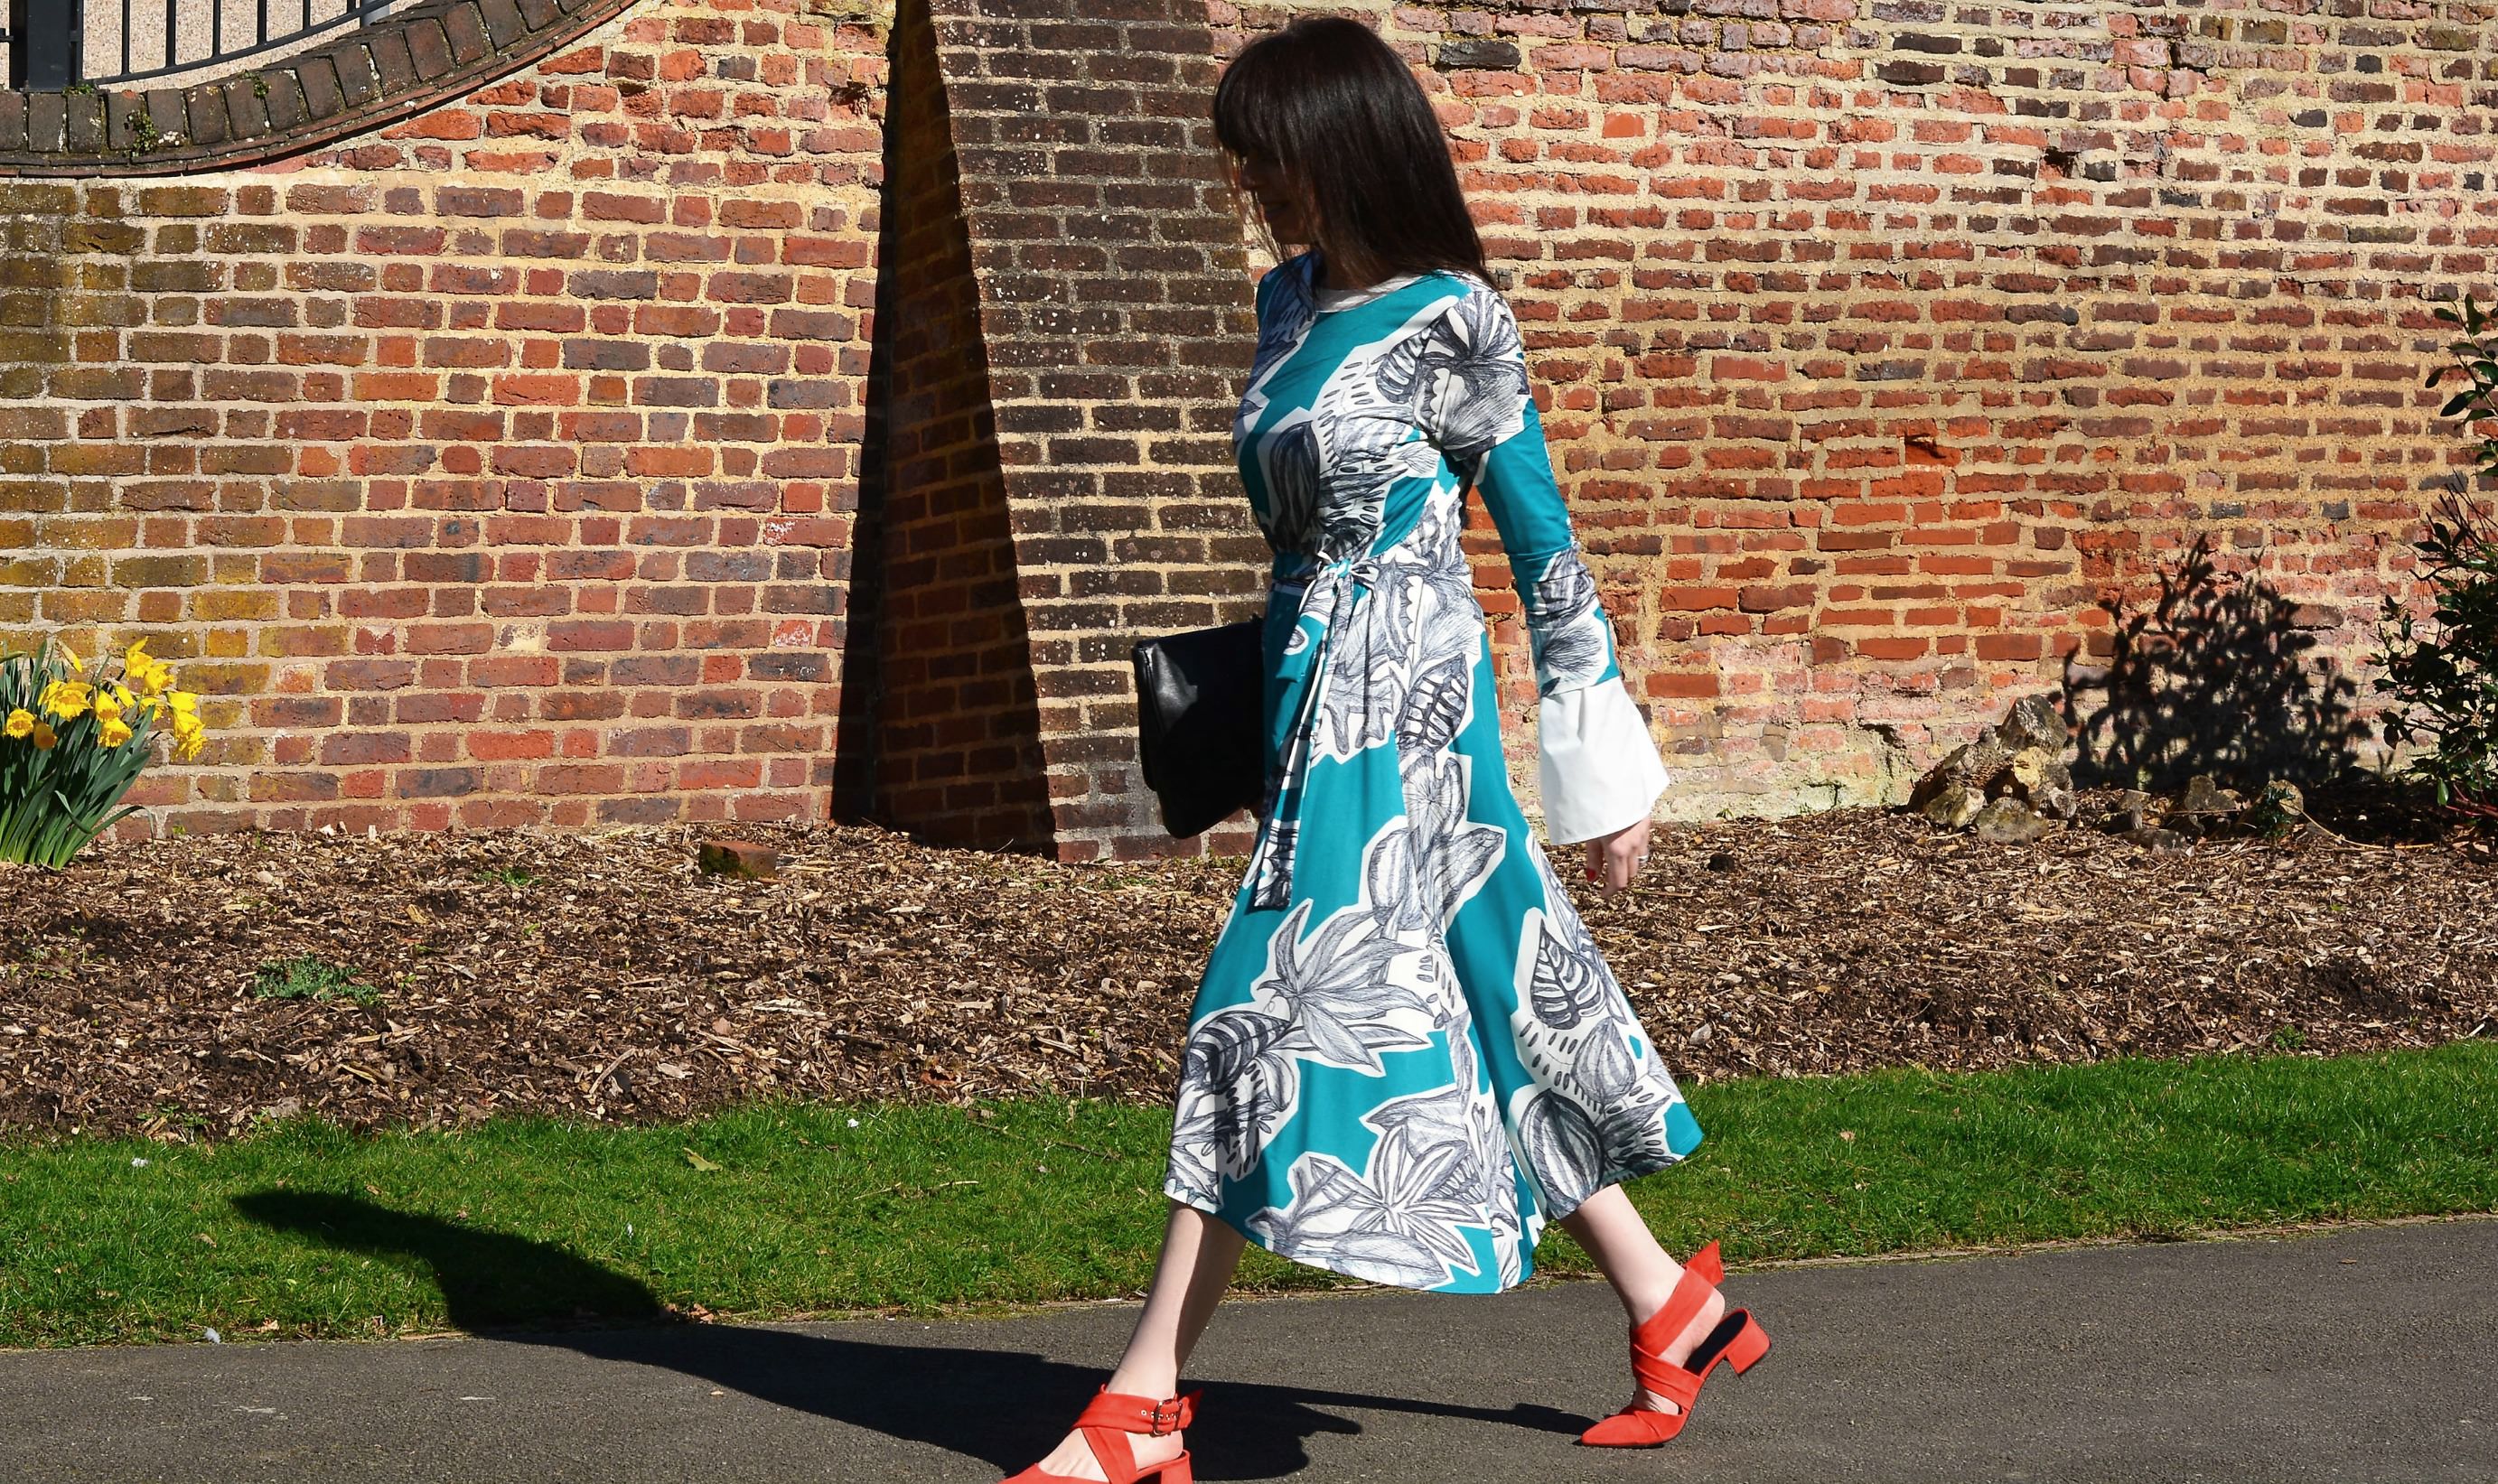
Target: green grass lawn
[(307, 1230)]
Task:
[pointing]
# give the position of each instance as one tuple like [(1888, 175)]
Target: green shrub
[(2476, 360), (2443, 673), (305, 977)]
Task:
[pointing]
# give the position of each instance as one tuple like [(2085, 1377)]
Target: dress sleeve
[(1597, 767)]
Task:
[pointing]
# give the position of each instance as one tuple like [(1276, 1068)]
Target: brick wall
[(496, 467), (1883, 341), (958, 732), (499, 464), (1114, 306)]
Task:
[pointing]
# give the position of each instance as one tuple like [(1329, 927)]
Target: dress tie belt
[(1331, 594)]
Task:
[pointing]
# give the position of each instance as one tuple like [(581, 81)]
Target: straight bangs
[(1327, 101)]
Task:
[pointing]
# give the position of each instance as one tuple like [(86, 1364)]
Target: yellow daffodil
[(114, 733), (189, 737), (151, 674), (45, 737), (185, 703), (75, 663), (21, 724), (109, 703), (67, 699)]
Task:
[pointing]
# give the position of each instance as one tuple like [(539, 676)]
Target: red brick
[(549, 404)]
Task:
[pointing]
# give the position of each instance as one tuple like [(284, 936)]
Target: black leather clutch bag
[(1201, 723)]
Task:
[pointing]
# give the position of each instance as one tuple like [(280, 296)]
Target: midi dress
[(1406, 1052)]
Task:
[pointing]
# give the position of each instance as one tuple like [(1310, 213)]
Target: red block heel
[(1738, 1340), (1105, 1424), (1750, 1344)]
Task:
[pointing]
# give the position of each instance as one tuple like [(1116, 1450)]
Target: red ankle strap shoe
[(1106, 1424), (1738, 1340)]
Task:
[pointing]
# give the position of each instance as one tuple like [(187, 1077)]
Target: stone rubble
[(2013, 785)]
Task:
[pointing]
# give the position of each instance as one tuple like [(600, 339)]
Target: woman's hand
[(1613, 859)]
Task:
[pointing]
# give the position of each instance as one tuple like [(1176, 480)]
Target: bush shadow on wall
[(2218, 675)]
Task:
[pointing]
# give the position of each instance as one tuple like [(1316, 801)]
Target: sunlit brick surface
[(513, 463)]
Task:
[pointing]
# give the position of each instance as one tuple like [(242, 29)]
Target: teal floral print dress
[(1406, 1054)]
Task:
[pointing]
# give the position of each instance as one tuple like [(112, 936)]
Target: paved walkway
[(2363, 1354)]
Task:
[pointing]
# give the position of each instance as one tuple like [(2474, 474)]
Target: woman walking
[(1407, 1053)]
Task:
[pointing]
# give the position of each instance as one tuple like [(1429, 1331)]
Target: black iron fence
[(56, 44)]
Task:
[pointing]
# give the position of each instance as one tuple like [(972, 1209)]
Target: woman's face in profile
[(1279, 196)]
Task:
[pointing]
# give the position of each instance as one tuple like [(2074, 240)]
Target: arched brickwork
[(402, 63)]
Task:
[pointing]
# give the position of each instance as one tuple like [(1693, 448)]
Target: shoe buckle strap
[(1154, 1418)]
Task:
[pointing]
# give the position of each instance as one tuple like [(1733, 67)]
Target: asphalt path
[(2366, 1353)]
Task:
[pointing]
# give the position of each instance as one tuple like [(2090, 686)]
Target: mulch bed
[(603, 976)]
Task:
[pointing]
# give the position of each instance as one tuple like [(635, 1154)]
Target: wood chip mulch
[(603, 976)]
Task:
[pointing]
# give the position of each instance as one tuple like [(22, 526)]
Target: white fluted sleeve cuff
[(1596, 766)]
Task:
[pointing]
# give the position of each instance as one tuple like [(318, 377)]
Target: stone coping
[(375, 75)]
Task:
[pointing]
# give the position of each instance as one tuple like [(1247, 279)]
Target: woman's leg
[(1198, 1253), (1643, 1276)]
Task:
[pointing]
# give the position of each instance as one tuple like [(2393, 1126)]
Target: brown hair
[(1327, 101)]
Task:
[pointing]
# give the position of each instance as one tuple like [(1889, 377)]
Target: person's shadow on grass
[(494, 1282)]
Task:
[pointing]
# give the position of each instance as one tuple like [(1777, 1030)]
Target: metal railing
[(56, 44)]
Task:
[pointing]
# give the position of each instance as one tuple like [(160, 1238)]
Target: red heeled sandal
[(1738, 1340), (1105, 1424)]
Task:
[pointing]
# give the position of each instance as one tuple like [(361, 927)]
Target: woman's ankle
[(1642, 1306), (1154, 1383)]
